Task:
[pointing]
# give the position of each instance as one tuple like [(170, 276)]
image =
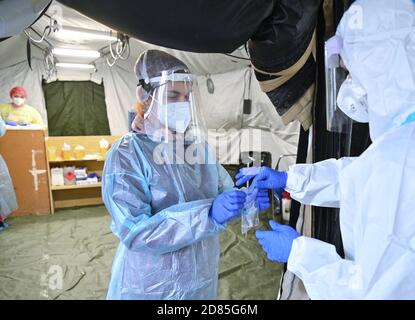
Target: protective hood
[(379, 51)]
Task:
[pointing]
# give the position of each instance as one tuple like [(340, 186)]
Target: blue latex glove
[(23, 124), (278, 242), (11, 123), (262, 200), (227, 205), (263, 178)]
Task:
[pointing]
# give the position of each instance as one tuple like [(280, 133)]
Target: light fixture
[(76, 53), (94, 34), (75, 65)]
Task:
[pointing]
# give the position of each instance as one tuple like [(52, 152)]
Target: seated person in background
[(17, 112), (7, 195)]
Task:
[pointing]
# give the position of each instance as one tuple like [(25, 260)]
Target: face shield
[(335, 74), (172, 107), (346, 99)]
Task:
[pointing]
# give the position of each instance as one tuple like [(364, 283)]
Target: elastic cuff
[(292, 182), (285, 178)]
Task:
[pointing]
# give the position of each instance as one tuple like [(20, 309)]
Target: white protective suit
[(376, 191)]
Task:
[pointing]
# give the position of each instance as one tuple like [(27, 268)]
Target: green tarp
[(76, 108), (77, 246)]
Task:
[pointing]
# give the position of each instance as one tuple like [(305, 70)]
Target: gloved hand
[(264, 178), (11, 123), (227, 205), (278, 242), (262, 200)]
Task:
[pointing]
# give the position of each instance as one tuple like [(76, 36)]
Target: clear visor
[(172, 108), (337, 120)]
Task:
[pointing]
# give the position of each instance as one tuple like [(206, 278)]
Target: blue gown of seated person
[(8, 202)]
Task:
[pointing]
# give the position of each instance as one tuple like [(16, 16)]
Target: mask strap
[(147, 113)]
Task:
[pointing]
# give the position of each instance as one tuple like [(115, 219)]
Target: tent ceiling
[(18, 14)]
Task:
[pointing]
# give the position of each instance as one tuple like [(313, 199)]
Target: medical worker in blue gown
[(375, 191), (167, 195), (7, 195)]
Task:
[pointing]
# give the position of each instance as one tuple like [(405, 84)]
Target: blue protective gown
[(7, 195), (169, 245)]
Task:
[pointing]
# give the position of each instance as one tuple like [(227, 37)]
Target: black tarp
[(328, 144), (283, 37), (213, 26), (279, 43)]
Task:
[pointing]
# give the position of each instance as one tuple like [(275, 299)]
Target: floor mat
[(69, 256)]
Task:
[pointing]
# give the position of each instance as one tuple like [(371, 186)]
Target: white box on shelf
[(57, 177), (80, 173), (92, 180)]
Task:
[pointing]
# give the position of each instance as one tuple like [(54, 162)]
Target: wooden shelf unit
[(24, 152), (67, 196), (76, 186), (74, 160)]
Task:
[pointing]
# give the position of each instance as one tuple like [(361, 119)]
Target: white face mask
[(18, 101), (175, 115), (352, 100)]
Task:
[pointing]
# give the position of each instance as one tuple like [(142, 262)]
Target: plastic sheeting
[(7, 196), (159, 200)]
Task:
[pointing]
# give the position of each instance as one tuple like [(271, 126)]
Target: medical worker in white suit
[(376, 191)]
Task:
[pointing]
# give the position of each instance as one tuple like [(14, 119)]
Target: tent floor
[(78, 244)]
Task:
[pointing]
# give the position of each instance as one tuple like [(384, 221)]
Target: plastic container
[(249, 213), (104, 146), (69, 175), (286, 206), (79, 152), (52, 153), (81, 173), (277, 207), (57, 177), (67, 153)]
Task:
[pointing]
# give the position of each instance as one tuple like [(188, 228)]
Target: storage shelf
[(75, 186), (68, 196), (75, 160)]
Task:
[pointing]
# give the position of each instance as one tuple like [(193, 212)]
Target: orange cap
[(18, 91)]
